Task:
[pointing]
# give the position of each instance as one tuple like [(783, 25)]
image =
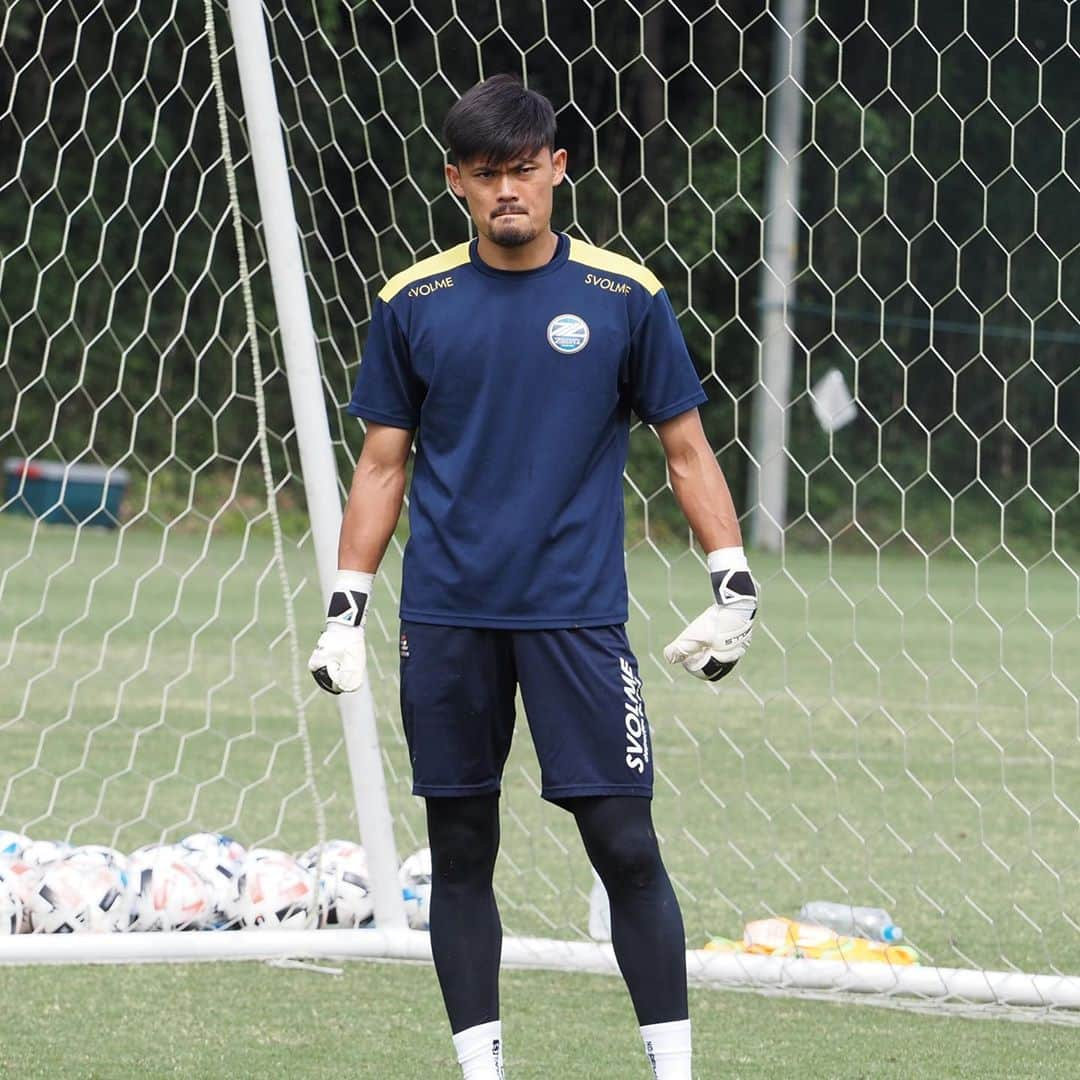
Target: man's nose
[(506, 191)]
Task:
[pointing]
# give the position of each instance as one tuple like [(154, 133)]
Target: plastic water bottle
[(599, 911), (864, 922)]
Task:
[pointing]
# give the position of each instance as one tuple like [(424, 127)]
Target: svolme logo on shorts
[(568, 334), (637, 742)]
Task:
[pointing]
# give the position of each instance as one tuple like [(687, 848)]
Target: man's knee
[(464, 838), (630, 859), (621, 842)]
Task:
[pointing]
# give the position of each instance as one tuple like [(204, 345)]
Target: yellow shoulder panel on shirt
[(425, 268), (599, 259)]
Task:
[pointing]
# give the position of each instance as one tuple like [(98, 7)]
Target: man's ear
[(453, 179), (558, 163)]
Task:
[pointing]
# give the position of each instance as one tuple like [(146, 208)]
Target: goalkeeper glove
[(719, 637), (339, 661)]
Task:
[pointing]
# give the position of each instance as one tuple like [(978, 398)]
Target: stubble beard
[(511, 235)]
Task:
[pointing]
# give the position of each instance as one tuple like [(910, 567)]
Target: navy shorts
[(582, 698)]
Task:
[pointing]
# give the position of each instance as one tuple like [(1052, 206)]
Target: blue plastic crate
[(69, 494)]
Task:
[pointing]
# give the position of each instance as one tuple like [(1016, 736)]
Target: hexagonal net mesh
[(880, 202)]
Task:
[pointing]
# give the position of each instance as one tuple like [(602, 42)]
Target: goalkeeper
[(516, 360)]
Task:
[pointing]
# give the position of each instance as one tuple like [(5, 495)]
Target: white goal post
[(840, 198)]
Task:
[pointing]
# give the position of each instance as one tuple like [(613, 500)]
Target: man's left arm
[(718, 638)]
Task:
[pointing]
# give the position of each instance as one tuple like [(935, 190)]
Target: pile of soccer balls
[(207, 881)]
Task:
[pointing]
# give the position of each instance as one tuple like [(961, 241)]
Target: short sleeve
[(387, 390), (663, 382)]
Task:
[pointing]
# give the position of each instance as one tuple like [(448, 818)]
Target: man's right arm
[(339, 662)]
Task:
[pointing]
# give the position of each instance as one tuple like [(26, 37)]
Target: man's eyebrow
[(512, 163)]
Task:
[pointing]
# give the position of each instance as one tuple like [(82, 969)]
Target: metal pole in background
[(768, 494), (312, 431)]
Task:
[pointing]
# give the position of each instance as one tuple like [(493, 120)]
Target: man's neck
[(536, 253)]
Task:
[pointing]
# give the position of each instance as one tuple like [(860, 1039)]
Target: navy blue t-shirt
[(520, 385)]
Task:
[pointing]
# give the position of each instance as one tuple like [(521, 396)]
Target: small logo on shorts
[(403, 646), (637, 737), (568, 334)]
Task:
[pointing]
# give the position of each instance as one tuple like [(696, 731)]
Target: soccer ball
[(22, 878), (96, 855), (222, 876), (330, 851), (276, 892), (11, 906), (415, 879), (217, 845), (223, 881), (168, 892), (344, 884), (41, 852), (147, 851), (12, 844), (69, 898), (220, 860)]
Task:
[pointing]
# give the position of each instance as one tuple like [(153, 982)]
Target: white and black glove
[(339, 661), (719, 637)]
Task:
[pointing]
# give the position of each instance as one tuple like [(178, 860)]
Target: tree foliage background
[(939, 245)]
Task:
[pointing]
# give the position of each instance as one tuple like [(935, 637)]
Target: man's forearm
[(371, 515), (717, 639), (703, 495)]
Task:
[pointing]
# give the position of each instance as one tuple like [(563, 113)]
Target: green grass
[(903, 732), (382, 1021)]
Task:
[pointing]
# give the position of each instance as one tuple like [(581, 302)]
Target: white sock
[(479, 1051), (668, 1049)]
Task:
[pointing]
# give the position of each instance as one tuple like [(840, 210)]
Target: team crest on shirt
[(568, 334)]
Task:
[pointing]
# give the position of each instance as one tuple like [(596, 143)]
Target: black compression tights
[(466, 936)]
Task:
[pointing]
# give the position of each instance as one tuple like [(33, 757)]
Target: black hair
[(497, 120)]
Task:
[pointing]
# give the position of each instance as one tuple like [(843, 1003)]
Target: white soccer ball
[(415, 879), (328, 852), (11, 905), (168, 892), (148, 851), (12, 844), (344, 884), (220, 860), (276, 892), (222, 877), (69, 899), (96, 855), (217, 845), (224, 883), (22, 879), (42, 852)]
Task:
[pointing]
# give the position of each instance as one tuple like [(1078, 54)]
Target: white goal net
[(881, 202)]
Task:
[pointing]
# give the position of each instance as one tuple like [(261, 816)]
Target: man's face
[(511, 202)]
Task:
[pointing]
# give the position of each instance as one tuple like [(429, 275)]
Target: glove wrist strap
[(348, 604), (731, 579), (354, 581), (728, 558)]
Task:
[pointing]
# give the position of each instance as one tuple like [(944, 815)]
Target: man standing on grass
[(516, 360)]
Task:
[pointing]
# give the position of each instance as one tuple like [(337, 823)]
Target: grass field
[(904, 732), (384, 1022)]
